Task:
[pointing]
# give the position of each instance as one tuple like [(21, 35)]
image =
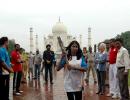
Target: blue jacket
[(101, 59)]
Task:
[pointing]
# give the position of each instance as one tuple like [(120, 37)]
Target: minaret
[(80, 40), (89, 37), (44, 46), (31, 39), (59, 19), (36, 41)]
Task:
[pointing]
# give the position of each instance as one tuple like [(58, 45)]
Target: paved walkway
[(37, 90)]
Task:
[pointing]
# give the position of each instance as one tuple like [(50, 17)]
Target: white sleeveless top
[(73, 78)]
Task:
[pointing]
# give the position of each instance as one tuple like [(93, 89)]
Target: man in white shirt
[(122, 63)]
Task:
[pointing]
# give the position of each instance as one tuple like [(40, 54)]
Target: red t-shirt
[(112, 55), (15, 56)]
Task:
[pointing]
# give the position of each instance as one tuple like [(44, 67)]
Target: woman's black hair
[(79, 52)]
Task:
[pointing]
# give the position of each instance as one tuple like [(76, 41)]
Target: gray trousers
[(123, 83), (91, 67)]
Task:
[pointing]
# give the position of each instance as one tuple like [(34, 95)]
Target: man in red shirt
[(113, 81), (17, 67)]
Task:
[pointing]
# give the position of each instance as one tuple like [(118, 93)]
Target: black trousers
[(48, 67), (4, 87), (17, 80), (101, 80), (123, 84), (74, 95)]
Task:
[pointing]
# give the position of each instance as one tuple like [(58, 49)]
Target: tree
[(11, 46), (126, 40)]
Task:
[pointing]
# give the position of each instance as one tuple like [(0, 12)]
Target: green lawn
[(129, 78)]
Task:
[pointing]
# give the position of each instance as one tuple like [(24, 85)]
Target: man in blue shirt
[(5, 69)]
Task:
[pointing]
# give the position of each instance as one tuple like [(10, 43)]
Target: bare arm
[(10, 70)]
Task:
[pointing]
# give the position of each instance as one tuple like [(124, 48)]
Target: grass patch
[(129, 78)]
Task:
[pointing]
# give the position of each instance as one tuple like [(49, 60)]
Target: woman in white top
[(73, 75)]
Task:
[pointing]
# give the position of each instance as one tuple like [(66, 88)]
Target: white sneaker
[(18, 94), (109, 95), (119, 96), (115, 97), (20, 91)]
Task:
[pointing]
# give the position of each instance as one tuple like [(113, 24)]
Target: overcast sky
[(107, 18)]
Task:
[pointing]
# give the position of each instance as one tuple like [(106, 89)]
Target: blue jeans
[(37, 70)]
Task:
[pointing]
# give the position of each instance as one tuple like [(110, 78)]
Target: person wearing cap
[(48, 57)]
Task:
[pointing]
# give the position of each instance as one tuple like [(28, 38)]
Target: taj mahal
[(59, 29)]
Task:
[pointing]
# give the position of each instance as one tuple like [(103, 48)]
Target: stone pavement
[(37, 90), (11, 87)]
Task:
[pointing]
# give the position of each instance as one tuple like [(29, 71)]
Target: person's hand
[(68, 66), (107, 60), (11, 70), (12, 65), (63, 54), (96, 61), (48, 62), (125, 73)]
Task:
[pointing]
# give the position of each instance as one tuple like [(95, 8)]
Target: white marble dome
[(59, 27)]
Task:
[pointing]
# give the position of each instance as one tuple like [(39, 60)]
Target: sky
[(107, 18)]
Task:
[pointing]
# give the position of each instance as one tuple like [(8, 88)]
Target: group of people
[(37, 63), (119, 79), (75, 61), (116, 60), (19, 63)]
